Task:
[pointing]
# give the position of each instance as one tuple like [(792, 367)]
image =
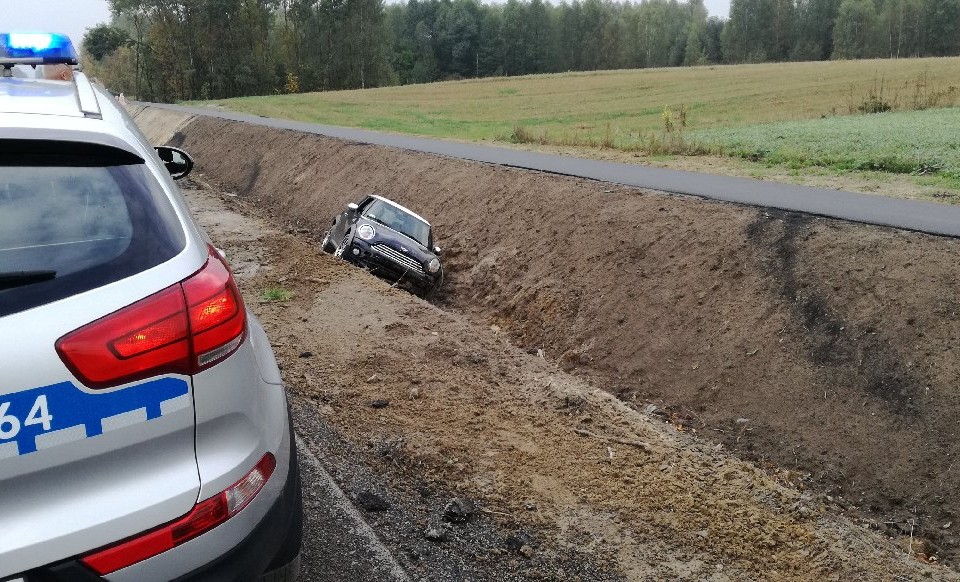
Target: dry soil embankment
[(826, 348)]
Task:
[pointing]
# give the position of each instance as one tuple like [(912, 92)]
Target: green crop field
[(923, 143), (789, 115)]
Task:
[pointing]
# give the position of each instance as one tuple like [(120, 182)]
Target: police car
[(144, 429)]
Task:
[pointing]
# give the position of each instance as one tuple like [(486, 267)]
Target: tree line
[(169, 50)]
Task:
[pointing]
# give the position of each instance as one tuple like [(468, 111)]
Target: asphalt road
[(929, 217), (338, 543)]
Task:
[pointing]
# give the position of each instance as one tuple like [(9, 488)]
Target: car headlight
[(434, 265), (366, 232)]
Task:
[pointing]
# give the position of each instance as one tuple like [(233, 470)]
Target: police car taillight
[(183, 329), (205, 516)]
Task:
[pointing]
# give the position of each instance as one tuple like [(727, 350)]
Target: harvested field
[(824, 352)]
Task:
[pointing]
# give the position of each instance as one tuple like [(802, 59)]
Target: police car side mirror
[(353, 207), (178, 162), (436, 251)]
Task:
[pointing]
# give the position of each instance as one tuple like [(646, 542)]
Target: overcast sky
[(73, 17), (716, 7)]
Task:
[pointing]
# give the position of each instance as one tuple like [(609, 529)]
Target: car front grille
[(399, 258)]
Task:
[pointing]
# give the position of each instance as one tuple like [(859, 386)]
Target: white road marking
[(361, 527), (124, 419)]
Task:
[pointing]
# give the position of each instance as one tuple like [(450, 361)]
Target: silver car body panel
[(231, 438), (232, 402)]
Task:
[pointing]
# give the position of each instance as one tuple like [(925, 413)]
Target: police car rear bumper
[(280, 530)]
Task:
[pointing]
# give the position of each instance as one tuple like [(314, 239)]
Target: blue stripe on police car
[(49, 416)]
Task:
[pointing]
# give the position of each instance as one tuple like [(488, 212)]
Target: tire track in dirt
[(856, 358)]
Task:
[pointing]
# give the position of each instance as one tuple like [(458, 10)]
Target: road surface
[(929, 217)]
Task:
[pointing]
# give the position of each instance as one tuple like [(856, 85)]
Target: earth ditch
[(822, 353)]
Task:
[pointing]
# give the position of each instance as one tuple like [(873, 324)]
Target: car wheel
[(286, 565), (429, 293), (342, 247), (327, 246), (288, 573)]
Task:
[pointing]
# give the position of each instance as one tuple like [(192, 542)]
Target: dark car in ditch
[(391, 241)]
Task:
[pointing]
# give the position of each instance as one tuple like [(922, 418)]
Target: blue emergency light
[(36, 48)]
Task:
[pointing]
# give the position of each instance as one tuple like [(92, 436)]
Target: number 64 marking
[(10, 424)]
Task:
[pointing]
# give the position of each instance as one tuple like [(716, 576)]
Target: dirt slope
[(825, 348), (597, 490)]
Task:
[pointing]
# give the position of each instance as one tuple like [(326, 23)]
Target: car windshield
[(399, 220), (74, 217)]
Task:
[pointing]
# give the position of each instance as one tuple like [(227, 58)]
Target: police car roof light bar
[(36, 48)]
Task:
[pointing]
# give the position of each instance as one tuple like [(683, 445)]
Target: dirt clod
[(459, 510), (436, 532), (515, 542), (370, 501)]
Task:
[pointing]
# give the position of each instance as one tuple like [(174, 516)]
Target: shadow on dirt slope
[(823, 347)]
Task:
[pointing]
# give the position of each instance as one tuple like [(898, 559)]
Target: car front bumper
[(360, 253)]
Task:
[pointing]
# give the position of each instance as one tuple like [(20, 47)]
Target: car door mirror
[(178, 162), (436, 251), (352, 207)]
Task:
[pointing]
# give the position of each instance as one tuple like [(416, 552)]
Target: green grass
[(575, 106), (913, 142), (276, 295)]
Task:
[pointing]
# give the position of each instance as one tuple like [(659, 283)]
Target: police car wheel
[(287, 573)]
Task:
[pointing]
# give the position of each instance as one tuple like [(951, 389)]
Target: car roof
[(39, 97), (75, 98), (401, 207), (72, 110)]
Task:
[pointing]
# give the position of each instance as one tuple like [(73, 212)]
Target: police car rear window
[(74, 217)]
